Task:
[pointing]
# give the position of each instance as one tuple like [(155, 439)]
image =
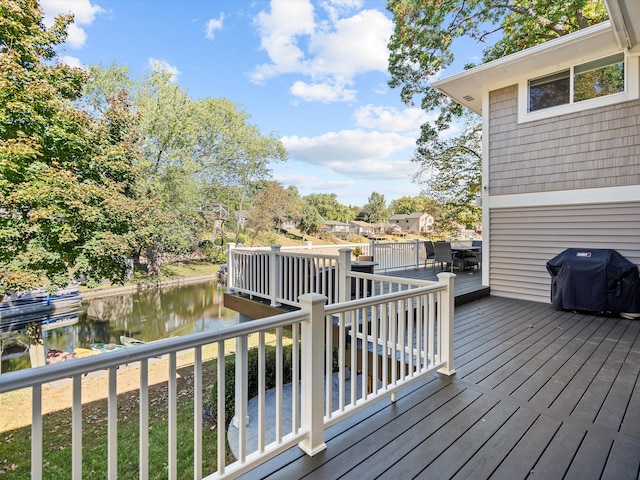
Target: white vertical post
[(172, 420), (242, 391), (344, 267), (417, 252), (274, 275), (36, 431), (372, 248), (312, 349), (76, 429), (144, 420), (230, 268), (112, 426), (447, 305)]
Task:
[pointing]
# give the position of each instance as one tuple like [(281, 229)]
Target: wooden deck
[(467, 285), (538, 393)]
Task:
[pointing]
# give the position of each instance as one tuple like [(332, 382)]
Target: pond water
[(148, 315)]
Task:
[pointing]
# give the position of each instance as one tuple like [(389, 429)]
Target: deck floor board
[(538, 393)]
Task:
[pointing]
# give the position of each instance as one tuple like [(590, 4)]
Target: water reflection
[(147, 315)]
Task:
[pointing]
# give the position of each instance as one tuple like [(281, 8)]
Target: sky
[(313, 72)]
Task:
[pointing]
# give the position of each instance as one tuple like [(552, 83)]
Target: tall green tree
[(421, 47), (407, 205), (309, 220), (67, 176), (327, 205), (375, 210), (194, 152)]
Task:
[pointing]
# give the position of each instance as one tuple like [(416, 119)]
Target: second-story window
[(597, 78)]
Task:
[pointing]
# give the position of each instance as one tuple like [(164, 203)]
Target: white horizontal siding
[(523, 239)]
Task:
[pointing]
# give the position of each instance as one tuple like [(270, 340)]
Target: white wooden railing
[(390, 340), (281, 276)]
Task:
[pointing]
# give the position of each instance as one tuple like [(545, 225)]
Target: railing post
[(312, 373), (230, 267), (274, 275), (344, 267), (372, 248), (240, 417), (447, 305), (417, 252)]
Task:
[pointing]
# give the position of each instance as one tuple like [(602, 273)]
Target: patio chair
[(477, 254), (444, 255), (430, 252)]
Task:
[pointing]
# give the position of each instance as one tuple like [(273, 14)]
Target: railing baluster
[(220, 414), (279, 383), (197, 413), (144, 419), (112, 425), (261, 392), (295, 377), (173, 418), (36, 431), (76, 428)]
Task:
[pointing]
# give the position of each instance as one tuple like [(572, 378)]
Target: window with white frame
[(572, 88), (597, 78)]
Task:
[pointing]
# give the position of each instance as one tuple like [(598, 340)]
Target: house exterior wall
[(567, 181), (523, 239), (589, 149)]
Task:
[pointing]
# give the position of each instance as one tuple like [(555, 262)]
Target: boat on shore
[(130, 341), (39, 301)]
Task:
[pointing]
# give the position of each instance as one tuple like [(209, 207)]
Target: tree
[(272, 206), (421, 47), (408, 205), (192, 151), (329, 208), (375, 210), (309, 220), (455, 166), (67, 176)]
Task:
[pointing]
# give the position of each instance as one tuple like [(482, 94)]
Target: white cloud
[(213, 25), (162, 65), (84, 13), (341, 150), (321, 92), (355, 45), (71, 61), (278, 31), (329, 52), (391, 119)]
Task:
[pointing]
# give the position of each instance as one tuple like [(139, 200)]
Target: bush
[(252, 371), (210, 409)]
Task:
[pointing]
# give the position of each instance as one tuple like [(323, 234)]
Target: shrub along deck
[(538, 393)]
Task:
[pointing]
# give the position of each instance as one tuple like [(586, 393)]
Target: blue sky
[(314, 72)]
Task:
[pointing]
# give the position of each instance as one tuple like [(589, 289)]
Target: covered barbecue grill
[(594, 280)]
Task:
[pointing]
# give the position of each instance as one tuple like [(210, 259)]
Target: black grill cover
[(595, 280)]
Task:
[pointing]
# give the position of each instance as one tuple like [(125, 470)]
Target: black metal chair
[(444, 255), (430, 252)]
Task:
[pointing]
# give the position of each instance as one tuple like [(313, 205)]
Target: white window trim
[(632, 92)]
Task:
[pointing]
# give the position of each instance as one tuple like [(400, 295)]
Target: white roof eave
[(468, 87)]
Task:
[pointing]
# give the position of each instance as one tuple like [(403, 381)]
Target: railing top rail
[(296, 253), (379, 299)]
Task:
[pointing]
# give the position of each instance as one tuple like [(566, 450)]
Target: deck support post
[(274, 275), (312, 373), (447, 311), (344, 268)]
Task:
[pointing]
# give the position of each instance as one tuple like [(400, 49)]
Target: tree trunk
[(154, 259)]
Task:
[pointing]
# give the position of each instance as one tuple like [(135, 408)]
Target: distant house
[(358, 227), (561, 150), (418, 222), (338, 229)]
